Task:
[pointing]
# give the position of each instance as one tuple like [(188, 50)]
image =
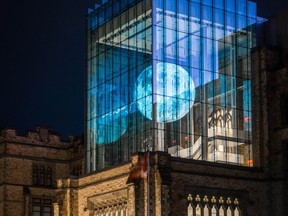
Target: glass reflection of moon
[(112, 120), (174, 89)]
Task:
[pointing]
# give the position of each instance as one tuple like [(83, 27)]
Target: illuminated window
[(206, 206), (179, 69)]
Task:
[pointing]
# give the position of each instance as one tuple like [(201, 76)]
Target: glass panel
[(219, 4), (120, 53), (36, 208), (35, 200), (176, 75), (46, 209)]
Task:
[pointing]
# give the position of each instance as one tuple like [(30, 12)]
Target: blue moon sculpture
[(173, 90)]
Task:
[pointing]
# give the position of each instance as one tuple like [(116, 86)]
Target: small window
[(42, 176), (41, 207), (209, 205)]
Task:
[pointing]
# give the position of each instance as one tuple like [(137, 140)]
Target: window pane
[(36, 208), (47, 201), (36, 200), (46, 209)]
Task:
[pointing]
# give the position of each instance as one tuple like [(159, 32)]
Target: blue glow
[(111, 122), (112, 125), (182, 63), (175, 92)]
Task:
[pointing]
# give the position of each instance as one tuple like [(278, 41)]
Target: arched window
[(236, 211), (211, 205), (229, 211), (213, 211), (190, 210), (206, 210), (42, 175), (198, 210), (221, 211)]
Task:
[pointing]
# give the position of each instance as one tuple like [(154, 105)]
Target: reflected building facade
[(174, 75)]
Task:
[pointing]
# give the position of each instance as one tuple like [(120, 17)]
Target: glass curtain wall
[(172, 74), (201, 60), (119, 48)]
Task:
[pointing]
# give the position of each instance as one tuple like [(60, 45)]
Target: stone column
[(26, 205), (26, 194), (56, 209)]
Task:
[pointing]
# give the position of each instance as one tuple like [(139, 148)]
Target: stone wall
[(171, 181), (18, 155), (270, 84)]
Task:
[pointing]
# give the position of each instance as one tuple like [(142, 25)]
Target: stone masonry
[(21, 154)]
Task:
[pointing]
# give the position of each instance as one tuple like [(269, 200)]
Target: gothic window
[(206, 206), (198, 210), (41, 207), (213, 211), (113, 207), (190, 209), (206, 210), (221, 211), (42, 175), (236, 212)]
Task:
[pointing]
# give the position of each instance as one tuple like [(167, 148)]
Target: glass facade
[(172, 74)]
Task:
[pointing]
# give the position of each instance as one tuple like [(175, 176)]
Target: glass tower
[(174, 75)]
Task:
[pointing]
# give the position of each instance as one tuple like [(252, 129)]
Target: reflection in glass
[(176, 73)]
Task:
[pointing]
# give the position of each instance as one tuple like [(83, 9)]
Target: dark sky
[(43, 63)]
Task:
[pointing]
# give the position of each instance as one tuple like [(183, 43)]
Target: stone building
[(180, 186), (223, 158), (219, 148), (30, 166)]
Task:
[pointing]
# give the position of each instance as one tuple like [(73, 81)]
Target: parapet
[(40, 136)]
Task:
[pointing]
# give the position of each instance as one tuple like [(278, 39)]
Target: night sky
[(43, 63)]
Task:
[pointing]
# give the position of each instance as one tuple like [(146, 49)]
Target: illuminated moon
[(174, 92)]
